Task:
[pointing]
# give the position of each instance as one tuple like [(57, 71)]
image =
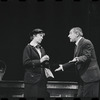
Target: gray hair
[(78, 30)]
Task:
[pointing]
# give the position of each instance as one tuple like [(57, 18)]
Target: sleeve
[(46, 64), (27, 61), (67, 65)]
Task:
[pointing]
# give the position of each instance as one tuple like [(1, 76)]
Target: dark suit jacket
[(87, 65), (34, 70)]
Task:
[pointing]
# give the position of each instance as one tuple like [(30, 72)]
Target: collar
[(78, 40), (33, 44)]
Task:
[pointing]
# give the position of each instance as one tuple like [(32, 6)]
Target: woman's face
[(38, 38)]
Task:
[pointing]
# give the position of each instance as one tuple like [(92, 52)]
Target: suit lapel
[(77, 49), (42, 52), (35, 51)]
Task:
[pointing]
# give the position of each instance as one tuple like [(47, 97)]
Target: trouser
[(88, 90)]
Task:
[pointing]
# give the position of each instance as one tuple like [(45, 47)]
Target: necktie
[(38, 46), (75, 51)]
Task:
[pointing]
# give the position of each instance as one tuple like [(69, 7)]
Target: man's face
[(38, 38), (72, 36)]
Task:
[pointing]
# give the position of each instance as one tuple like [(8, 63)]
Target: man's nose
[(68, 35)]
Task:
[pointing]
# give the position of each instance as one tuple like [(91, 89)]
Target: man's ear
[(77, 34)]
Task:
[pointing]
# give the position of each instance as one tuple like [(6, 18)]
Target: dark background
[(56, 18)]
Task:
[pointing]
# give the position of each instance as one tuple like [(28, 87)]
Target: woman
[(35, 61)]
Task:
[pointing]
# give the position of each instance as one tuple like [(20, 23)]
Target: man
[(35, 62), (85, 62)]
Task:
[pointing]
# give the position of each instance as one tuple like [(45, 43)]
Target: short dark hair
[(35, 32)]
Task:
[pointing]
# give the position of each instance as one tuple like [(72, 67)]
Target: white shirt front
[(78, 41), (39, 52), (37, 49)]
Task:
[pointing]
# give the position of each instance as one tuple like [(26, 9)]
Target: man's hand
[(44, 58), (59, 68), (74, 60)]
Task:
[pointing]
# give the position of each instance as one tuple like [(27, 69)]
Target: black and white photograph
[(49, 49)]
